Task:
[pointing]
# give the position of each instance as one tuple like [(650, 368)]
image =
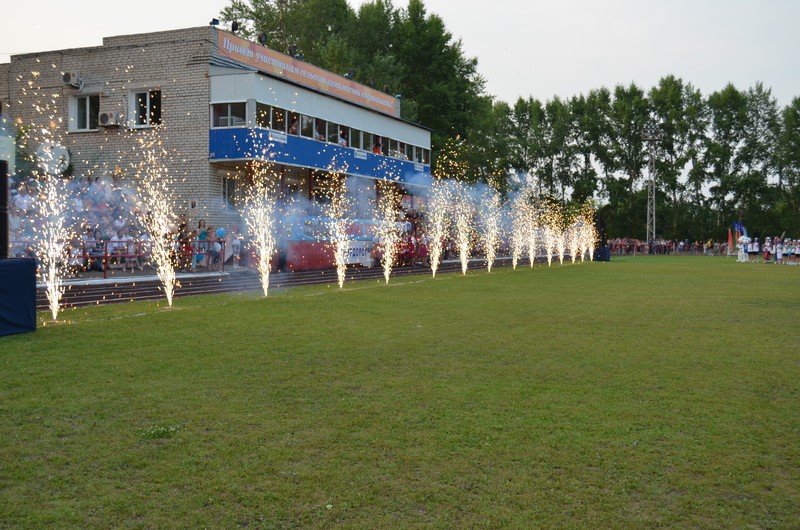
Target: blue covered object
[(17, 296)]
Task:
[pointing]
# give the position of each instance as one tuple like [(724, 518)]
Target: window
[(294, 123), (320, 126), (229, 193), (278, 119), (367, 141), (228, 114), (262, 115), (147, 108), (307, 126), (86, 112), (344, 136), (355, 138), (377, 144), (333, 133), (426, 156)]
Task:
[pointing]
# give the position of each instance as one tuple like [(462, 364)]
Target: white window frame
[(73, 113), (229, 120), (133, 108)]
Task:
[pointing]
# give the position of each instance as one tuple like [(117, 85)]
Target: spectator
[(236, 247), (118, 248), (215, 253), (97, 251)]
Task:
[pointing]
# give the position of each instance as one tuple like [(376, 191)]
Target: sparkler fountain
[(549, 237), (337, 212), (532, 232), (261, 221), (552, 233), (519, 223), (492, 215), (572, 236), (389, 231), (49, 225), (156, 212), (560, 243), (50, 239), (438, 220), (588, 238), (586, 231), (462, 217)]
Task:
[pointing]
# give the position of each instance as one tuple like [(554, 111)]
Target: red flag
[(730, 241)]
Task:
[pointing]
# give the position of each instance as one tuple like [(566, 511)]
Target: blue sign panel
[(281, 148)]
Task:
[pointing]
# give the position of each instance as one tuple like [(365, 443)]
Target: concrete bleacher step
[(126, 289)]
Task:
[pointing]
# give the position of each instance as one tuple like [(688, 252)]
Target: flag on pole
[(740, 229), (730, 242)]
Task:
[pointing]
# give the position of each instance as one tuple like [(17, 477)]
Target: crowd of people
[(771, 250), (112, 236), (96, 208), (622, 246), (111, 232), (778, 250)]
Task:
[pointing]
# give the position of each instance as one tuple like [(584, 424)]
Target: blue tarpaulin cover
[(17, 296)]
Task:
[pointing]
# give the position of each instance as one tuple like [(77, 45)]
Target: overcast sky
[(524, 47)]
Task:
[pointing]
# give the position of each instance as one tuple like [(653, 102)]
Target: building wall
[(176, 62), (4, 69)]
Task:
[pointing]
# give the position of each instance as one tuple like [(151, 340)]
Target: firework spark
[(261, 220), (49, 226), (51, 238), (388, 229), (337, 213), (437, 221), (519, 223), (492, 216), (156, 211), (587, 233), (532, 232), (462, 219)]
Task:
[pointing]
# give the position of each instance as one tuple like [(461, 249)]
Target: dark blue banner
[(17, 296)]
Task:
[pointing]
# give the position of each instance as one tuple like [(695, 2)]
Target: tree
[(489, 147), (527, 137), (628, 116), (371, 38), (586, 119), (679, 111), (728, 114), (757, 156), (443, 82), (600, 133), (789, 146), (556, 174), (788, 167)]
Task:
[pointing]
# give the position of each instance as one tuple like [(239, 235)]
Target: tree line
[(733, 155)]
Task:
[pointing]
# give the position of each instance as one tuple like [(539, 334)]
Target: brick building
[(216, 103)]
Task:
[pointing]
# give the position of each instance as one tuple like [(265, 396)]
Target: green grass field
[(644, 392)]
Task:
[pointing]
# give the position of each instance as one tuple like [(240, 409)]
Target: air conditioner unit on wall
[(73, 79), (108, 119)]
